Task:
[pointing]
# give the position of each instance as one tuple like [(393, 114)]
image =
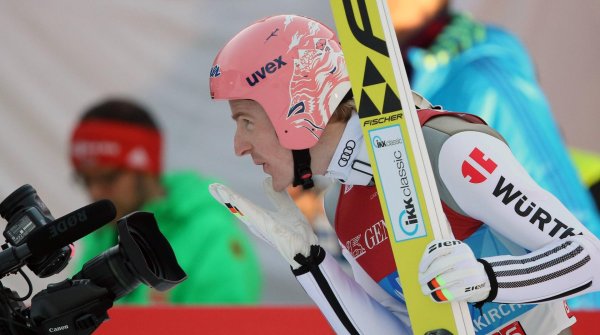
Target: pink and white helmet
[(293, 67)]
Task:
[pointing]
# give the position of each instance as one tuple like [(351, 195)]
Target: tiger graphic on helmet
[(316, 71)]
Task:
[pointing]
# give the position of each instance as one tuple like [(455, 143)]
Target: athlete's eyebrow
[(236, 115), (240, 110)]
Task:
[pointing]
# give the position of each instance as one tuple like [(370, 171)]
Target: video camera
[(77, 305)]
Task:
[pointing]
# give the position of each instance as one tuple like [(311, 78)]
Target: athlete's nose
[(240, 146)]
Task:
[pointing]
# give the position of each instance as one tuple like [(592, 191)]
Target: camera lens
[(109, 270), (149, 255), (142, 255)]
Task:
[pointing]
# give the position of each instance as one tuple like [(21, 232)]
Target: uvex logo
[(471, 172), (262, 73)]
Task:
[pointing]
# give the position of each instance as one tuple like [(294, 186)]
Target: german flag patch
[(234, 210), (439, 295)]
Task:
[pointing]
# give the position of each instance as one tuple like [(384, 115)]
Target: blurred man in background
[(464, 65), (116, 151)]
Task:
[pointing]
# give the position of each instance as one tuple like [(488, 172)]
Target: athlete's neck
[(322, 153), (350, 162)]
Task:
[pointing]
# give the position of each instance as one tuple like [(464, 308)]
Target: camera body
[(25, 211), (77, 305)]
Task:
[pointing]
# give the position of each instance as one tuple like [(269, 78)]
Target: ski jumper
[(459, 146), (456, 54)]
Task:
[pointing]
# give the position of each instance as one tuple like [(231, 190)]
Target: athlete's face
[(255, 136)]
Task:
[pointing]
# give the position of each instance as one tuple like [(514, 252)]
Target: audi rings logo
[(347, 153)]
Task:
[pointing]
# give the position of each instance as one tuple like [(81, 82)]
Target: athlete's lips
[(257, 160)]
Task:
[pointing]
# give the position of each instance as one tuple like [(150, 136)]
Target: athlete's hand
[(285, 229), (449, 272)]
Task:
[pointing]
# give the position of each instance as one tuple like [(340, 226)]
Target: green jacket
[(211, 248)]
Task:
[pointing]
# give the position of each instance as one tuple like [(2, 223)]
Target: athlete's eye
[(247, 123)]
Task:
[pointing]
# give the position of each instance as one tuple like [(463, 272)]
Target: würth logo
[(526, 207), (262, 73), (472, 173)]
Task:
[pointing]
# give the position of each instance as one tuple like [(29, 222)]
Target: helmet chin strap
[(302, 171)]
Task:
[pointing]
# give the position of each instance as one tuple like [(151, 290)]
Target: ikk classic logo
[(403, 207)]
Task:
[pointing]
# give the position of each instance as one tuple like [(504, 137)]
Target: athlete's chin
[(278, 187), (280, 184)]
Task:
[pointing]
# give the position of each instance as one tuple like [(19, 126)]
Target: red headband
[(118, 144)]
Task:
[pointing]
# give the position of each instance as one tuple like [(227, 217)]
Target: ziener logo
[(439, 245)]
